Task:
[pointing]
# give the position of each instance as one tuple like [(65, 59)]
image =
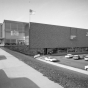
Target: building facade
[(55, 39), (14, 32), (45, 38)]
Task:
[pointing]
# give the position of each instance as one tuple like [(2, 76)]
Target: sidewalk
[(15, 68)]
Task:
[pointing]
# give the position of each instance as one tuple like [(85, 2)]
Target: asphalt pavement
[(66, 67), (81, 63)]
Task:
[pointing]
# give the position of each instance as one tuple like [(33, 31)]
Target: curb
[(65, 66)]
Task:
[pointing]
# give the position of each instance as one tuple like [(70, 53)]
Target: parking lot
[(81, 63)]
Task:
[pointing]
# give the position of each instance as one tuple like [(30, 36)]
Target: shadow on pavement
[(23, 82), (2, 57)]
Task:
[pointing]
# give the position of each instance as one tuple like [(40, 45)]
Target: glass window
[(7, 27), (13, 26)]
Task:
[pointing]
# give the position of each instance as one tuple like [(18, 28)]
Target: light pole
[(31, 12), (29, 26)]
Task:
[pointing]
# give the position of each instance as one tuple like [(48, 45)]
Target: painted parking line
[(65, 66)]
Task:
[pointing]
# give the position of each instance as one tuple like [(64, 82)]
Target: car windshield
[(76, 55), (50, 57), (69, 54)]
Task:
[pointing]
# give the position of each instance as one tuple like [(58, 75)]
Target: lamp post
[(31, 12), (29, 26)]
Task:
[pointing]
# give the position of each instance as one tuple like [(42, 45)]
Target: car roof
[(76, 55)]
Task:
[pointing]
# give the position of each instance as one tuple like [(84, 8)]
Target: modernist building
[(45, 38)]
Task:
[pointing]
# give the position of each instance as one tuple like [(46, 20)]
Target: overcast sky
[(72, 13)]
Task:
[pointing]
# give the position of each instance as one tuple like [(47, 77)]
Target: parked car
[(76, 57), (41, 57), (86, 58), (68, 56), (86, 68), (82, 56), (36, 55), (51, 59)]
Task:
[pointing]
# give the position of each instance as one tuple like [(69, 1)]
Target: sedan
[(38, 55), (86, 67), (86, 58), (41, 57), (76, 57), (69, 56), (51, 59), (82, 56)]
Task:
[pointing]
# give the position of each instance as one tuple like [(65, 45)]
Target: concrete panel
[(0, 30), (48, 36), (26, 30), (51, 36), (82, 38)]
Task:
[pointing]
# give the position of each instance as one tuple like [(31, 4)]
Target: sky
[(73, 13)]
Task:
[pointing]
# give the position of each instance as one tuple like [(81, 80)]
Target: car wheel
[(87, 69)]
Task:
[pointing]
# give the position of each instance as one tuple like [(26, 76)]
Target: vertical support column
[(29, 29), (3, 33), (23, 34), (18, 35), (10, 31)]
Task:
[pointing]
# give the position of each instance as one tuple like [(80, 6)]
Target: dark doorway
[(45, 51)]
